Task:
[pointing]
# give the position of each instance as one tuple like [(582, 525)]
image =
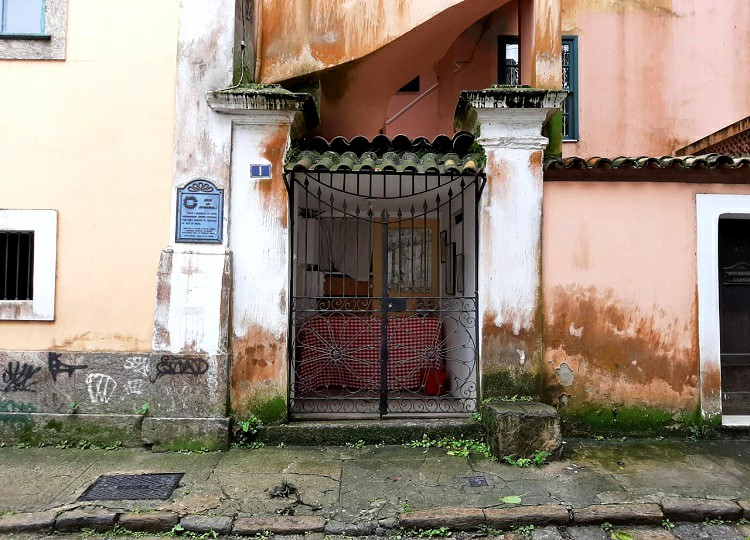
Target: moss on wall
[(507, 382), (599, 420), (269, 408), (553, 131), (71, 429)]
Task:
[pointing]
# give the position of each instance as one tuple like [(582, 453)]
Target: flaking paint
[(634, 99), (633, 301), (300, 37), (259, 243)]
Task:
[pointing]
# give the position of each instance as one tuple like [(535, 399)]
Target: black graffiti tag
[(57, 366), (180, 365), (17, 377)]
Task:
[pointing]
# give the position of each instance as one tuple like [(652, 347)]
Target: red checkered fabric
[(335, 350)]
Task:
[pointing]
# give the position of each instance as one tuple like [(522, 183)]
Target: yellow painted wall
[(91, 136)]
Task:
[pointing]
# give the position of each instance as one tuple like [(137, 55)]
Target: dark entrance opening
[(384, 306), (734, 315)]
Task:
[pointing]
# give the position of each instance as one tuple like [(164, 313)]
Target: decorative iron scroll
[(375, 329)]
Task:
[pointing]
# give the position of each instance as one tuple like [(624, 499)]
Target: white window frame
[(44, 225), (709, 209), (49, 44)]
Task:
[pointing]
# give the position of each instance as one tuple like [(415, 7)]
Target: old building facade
[(324, 209)]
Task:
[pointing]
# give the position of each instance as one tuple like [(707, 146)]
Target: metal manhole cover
[(132, 487), (477, 481)]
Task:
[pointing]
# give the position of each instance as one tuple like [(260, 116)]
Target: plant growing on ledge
[(143, 409), (73, 408), (244, 432), (538, 459)]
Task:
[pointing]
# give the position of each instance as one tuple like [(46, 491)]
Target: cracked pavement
[(353, 485)]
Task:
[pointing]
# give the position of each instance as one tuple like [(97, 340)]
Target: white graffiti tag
[(139, 364), (136, 386), (100, 387)]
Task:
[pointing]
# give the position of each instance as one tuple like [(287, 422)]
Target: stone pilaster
[(509, 121), (264, 121)]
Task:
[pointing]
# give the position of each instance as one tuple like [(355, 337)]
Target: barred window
[(28, 261), (509, 72), (16, 265)]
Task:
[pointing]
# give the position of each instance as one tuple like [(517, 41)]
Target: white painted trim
[(735, 420), (709, 208), (44, 225)]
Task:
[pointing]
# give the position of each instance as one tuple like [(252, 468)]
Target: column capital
[(508, 116), (266, 104)]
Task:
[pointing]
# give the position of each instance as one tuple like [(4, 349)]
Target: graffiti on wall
[(17, 377), (100, 387), (112, 382), (57, 366), (180, 365), (138, 364)]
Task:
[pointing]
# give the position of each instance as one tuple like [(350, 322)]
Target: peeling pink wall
[(657, 75), (619, 284), (300, 37), (469, 63), (654, 75)]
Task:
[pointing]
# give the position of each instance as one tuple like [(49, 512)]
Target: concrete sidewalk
[(361, 491)]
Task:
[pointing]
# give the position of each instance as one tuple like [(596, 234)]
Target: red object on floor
[(434, 382)]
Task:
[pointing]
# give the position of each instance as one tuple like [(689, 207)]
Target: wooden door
[(734, 315)]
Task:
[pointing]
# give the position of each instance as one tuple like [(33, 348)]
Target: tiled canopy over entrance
[(443, 155), (383, 298)]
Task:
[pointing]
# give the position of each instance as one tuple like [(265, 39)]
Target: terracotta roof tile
[(705, 162), (443, 155)]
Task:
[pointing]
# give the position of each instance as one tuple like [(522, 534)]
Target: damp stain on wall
[(602, 349)]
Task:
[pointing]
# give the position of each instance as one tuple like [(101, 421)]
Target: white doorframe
[(709, 208)]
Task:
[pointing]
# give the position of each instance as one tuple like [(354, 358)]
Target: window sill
[(21, 310), (28, 37), (569, 140)]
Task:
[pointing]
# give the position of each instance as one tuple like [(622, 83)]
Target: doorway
[(734, 315), (383, 318)]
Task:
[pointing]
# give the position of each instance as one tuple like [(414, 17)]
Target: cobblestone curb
[(453, 518), (684, 509), (630, 514), (28, 522)]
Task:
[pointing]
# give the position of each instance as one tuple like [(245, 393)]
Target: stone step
[(521, 429), (390, 431)]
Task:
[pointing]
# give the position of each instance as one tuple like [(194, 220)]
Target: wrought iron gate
[(383, 314)]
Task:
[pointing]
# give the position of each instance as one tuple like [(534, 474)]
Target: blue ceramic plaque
[(260, 171), (200, 212)]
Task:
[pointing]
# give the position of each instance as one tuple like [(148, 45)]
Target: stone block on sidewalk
[(279, 525), (694, 509), (76, 520), (154, 522), (204, 524), (456, 519), (630, 514), (548, 514), (28, 522), (521, 429)]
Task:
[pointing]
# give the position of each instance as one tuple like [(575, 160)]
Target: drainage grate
[(132, 487), (477, 481)]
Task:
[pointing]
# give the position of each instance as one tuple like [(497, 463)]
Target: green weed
[(524, 531), (143, 409), (537, 459), (667, 524), (441, 532), (453, 446)]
